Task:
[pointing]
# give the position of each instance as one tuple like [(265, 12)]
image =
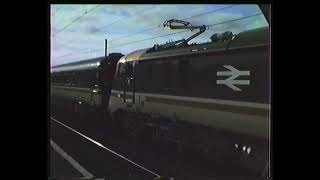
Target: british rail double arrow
[(231, 81)]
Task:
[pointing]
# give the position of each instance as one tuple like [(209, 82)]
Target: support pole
[(106, 47)]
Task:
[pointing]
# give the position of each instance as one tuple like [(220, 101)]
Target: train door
[(129, 85)]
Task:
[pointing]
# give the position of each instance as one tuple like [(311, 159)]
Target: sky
[(78, 32)]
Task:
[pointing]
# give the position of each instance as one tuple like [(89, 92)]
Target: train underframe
[(216, 145), (221, 147)]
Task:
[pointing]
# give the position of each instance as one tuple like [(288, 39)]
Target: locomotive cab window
[(121, 70), (129, 69), (125, 70)]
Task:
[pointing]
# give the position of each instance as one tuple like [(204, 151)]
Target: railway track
[(165, 158)]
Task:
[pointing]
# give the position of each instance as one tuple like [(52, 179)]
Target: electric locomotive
[(213, 96)]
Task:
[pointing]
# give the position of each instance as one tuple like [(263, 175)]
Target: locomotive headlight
[(244, 148), (236, 145), (248, 150), (98, 63), (94, 91)]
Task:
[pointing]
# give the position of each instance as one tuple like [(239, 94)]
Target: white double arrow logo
[(233, 73)]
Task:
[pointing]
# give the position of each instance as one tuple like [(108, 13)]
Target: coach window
[(81, 76), (60, 79), (129, 69), (56, 79), (91, 78), (121, 70), (63, 79), (67, 79), (74, 78), (86, 78), (71, 79)]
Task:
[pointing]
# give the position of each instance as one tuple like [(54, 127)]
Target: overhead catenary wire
[(85, 55), (59, 19), (109, 25), (86, 51), (118, 20), (163, 35), (56, 10), (155, 27), (75, 20), (64, 44), (132, 42), (209, 12)]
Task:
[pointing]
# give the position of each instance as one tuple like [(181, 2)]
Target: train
[(214, 97), (85, 82)]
